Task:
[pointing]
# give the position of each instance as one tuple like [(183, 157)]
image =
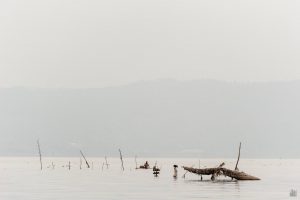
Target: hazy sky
[(98, 43)]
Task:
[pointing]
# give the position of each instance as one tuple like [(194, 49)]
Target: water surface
[(21, 179)]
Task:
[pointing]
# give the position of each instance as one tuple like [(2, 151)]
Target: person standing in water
[(175, 171)]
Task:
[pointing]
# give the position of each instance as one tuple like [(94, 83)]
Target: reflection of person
[(175, 171)]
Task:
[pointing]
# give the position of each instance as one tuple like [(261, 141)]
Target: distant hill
[(202, 118)]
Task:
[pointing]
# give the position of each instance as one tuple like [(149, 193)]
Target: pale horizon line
[(155, 81)]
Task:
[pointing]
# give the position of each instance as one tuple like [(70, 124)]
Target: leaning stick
[(121, 158), (80, 165), (237, 162), (39, 147), (87, 163)]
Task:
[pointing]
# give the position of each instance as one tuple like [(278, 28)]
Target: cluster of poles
[(213, 172), (82, 156), (156, 170)]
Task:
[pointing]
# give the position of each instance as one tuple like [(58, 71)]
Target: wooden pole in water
[(40, 154), (199, 168), (237, 162), (87, 163), (80, 164), (106, 163), (136, 165), (121, 158)]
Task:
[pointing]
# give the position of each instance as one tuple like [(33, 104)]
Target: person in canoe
[(145, 166)]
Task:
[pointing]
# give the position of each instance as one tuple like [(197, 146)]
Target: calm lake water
[(20, 178)]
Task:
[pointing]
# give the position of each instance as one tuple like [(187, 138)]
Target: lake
[(21, 179)]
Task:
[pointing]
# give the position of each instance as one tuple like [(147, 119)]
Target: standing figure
[(146, 165), (175, 171)]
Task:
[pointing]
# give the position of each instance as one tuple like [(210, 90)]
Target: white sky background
[(99, 43)]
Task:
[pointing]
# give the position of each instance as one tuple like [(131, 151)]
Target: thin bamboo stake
[(40, 153), (103, 165), (199, 168), (121, 158), (237, 162), (106, 163), (136, 165), (80, 165), (87, 163)]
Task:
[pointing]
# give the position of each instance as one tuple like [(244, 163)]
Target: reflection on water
[(20, 178)]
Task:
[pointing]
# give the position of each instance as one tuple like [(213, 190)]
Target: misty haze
[(155, 118), (149, 99)]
